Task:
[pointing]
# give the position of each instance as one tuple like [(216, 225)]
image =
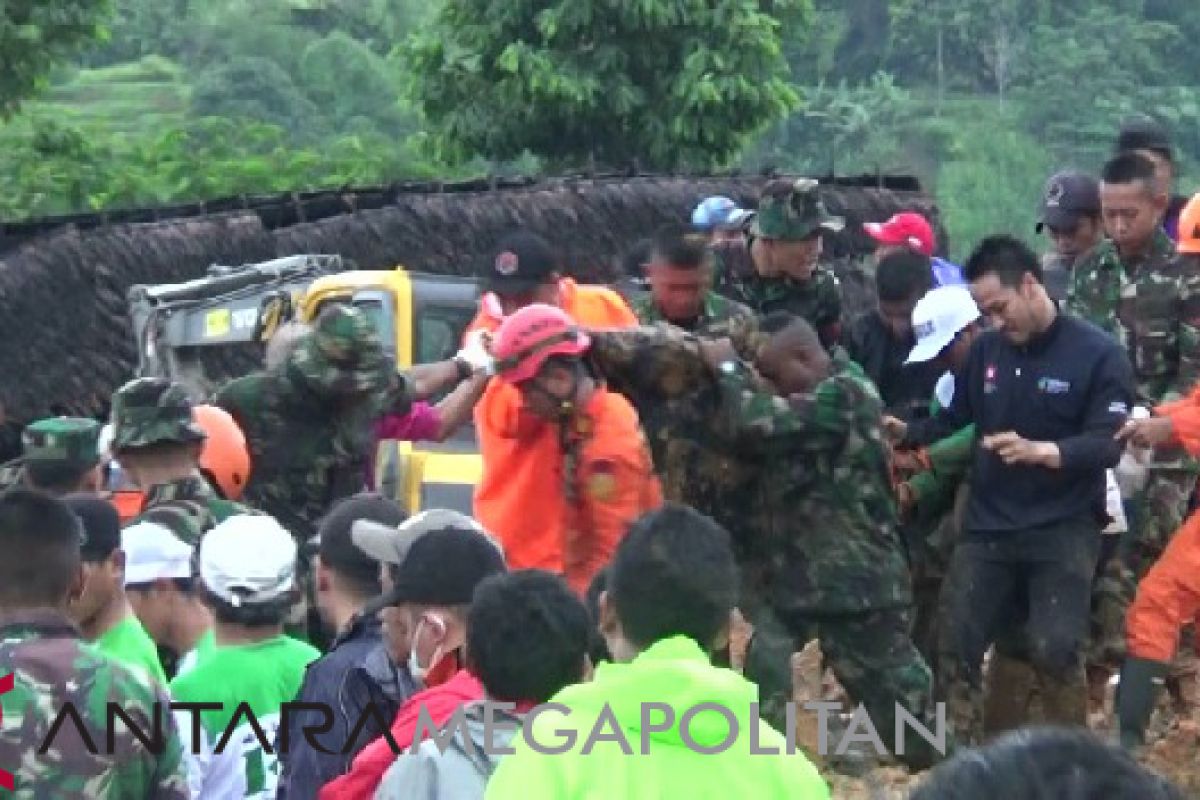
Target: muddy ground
[(1173, 748)]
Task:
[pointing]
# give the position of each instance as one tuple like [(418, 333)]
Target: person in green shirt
[(247, 576), (159, 584), (103, 611)]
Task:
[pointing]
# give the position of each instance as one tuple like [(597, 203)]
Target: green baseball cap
[(342, 355), (793, 214), (70, 441), (149, 411)]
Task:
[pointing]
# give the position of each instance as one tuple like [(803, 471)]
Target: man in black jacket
[(1046, 393), (357, 670), (881, 339)]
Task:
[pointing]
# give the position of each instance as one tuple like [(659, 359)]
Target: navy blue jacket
[(1072, 385), (354, 673)]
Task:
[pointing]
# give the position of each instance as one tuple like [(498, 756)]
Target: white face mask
[(414, 666)]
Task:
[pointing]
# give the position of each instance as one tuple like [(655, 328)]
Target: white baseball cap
[(389, 545), (248, 559), (938, 318), (153, 552)]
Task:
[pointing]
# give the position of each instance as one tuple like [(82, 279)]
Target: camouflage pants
[(768, 657), (874, 658), (1155, 514)]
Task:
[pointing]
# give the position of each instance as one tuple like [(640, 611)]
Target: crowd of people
[(975, 496)]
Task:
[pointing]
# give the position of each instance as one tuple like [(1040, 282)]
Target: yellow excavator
[(208, 330)]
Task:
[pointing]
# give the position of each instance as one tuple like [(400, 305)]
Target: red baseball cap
[(906, 229)]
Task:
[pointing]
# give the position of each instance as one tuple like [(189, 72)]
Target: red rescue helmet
[(225, 459), (531, 336)]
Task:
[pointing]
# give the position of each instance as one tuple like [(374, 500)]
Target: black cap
[(1068, 196), (1143, 133), (333, 543), (443, 568), (101, 525), (523, 261)]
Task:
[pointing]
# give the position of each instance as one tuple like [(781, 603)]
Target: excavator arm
[(175, 324)]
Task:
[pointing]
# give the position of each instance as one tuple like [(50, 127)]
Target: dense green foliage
[(37, 34), (182, 99), (983, 99), (663, 83)]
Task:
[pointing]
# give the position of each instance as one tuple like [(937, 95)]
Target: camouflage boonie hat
[(795, 215), (70, 441), (342, 354), (149, 411)]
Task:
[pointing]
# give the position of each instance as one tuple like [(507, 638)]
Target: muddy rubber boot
[(1141, 682), (1065, 701), (1097, 681), (1008, 688)]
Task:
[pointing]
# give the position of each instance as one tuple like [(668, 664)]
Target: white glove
[(475, 354)]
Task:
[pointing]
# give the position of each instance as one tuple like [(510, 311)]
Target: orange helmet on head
[(1189, 228), (225, 459), (531, 336)]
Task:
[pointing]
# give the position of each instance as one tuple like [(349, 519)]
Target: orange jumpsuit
[(521, 496), (1169, 596)]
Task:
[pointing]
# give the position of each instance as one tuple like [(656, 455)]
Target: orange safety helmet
[(225, 459), (531, 336), (1189, 228)]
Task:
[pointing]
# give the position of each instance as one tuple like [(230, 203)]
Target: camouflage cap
[(70, 441), (149, 411), (793, 214), (342, 355)]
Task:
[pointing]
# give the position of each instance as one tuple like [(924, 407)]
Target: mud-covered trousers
[(1045, 573)]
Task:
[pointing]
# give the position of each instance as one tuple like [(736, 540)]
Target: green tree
[(346, 80), (991, 180), (1089, 74), (256, 89), (666, 82), (35, 36)]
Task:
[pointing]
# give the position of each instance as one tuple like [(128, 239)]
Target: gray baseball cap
[(389, 544)]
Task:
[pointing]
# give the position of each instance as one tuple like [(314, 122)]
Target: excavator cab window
[(376, 305)]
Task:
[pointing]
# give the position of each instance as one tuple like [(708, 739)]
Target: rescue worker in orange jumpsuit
[(525, 271), (590, 465)]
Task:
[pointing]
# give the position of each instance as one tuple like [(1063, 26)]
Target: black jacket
[(355, 673), (1072, 385), (906, 389)]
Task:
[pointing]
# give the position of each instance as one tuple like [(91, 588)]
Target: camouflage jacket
[(189, 507), (50, 667), (1151, 307), (719, 317), (818, 300), (306, 451), (661, 373), (823, 497)]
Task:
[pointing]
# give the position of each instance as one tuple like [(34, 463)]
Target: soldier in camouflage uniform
[(308, 419), (776, 463), (44, 664), (679, 273), (158, 443), (782, 272), (1134, 286), (61, 456)]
